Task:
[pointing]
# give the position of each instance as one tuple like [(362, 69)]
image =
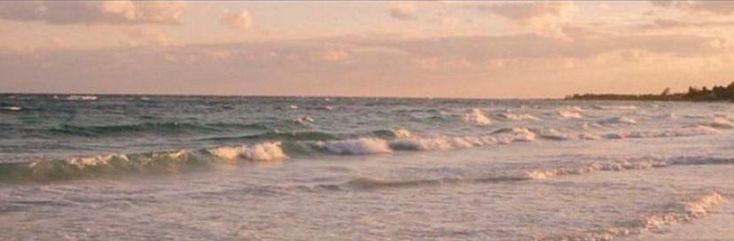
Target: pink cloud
[(93, 12), (237, 20)]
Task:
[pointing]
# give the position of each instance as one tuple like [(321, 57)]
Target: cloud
[(659, 24), (149, 36), (544, 17), (705, 7), (373, 65), (403, 11), (237, 20), (333, 55), (527, 13), (93, 12)]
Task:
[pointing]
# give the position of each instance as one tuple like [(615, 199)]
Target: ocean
[(117, 167)]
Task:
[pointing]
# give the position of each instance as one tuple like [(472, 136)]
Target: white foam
[(304, 120), (599, 166), (615, 107), (515, 134), (262, 152), (554, 134), (569, 114), (91, 161), (588, 136), (476, 116), (401, 133), (361, 146), (625, 164), (677, 212), (81, 97), (11, 108), (721, 123), (682, 211), (440, 143), (619, 120), (228, 152), (516, 117), (680, 132)]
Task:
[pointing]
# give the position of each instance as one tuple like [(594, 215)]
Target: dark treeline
[(716, 93)]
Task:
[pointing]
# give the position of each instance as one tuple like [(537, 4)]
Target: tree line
[(715, 93)]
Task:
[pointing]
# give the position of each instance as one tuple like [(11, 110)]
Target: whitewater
[(119, 167)]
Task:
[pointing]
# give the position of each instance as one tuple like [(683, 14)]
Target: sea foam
[(476, 116)]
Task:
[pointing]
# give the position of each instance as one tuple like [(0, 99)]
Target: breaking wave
[(618, 121), (679, 132), (82, 97), (630, 164), (275, 145), (371, 183), (167, 162), (515, 116), (720, 123), (615, 107), (361, 146), (11, 108), (571, 112), (676, 212), (262, 152), (475, 116)]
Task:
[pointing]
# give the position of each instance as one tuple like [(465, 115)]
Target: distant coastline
[(715, 93)]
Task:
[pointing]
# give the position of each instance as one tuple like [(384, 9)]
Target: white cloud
[(93, 12), (237, 20)]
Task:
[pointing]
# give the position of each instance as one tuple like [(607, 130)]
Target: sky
[(472, 49)]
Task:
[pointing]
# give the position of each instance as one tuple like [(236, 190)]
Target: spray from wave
[(476, 116)]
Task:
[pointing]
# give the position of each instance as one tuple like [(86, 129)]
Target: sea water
[(76, 167)]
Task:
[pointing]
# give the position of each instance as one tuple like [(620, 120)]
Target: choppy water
[(287, 168)]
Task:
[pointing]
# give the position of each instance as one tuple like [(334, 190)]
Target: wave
[(720, 123), (688, 210), (403, 140), (157, 127), (372, 183), (515, 134), (697, 130), (394, 133), (618, 121), (515, 117), (475, 116), (360, 146), (553, 134), (262, 152), (304, 120), (615, 107), (167, 162), (570, 112), (11, 108), (82, 97), (621, 165), (439, 143)]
